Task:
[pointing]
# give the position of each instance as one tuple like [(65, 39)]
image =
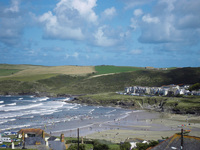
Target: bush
[(125, 146), (101, 147), (75, 147)]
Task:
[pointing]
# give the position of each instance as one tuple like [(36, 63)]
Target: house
[(57, 145), (10, 133), (1, 142), (6, 139), (174, 142), (34, 138), (38, 139), (32, 132)]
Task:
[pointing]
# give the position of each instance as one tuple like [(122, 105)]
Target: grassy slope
[(117, 82), (60, 83)]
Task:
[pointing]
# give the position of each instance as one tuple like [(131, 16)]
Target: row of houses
[(33, 139), (163, 90)]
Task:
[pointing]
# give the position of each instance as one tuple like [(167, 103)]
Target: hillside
[(34, 73), (61, 80)]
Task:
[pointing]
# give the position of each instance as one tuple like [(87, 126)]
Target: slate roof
[(57, 145), (37, 132), (137, 140), (52, 138), (34, 140), (174, 142)]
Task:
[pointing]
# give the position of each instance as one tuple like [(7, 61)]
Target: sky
[(158, 33)]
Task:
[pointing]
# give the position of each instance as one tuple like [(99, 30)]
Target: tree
[(125, 146), (195, 86), (144, 146)]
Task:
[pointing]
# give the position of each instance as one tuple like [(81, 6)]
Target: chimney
[(81, 140), (13, 145), (62, 138), (43, 135), (23, 136), (23, 139), (46, 143)]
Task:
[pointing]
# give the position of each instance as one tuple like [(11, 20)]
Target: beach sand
[(146, 125)]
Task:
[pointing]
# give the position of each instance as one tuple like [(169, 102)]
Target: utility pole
[(78, 137), (181, 139)]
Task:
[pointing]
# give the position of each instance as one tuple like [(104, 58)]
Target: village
[(32, 138), (36, 138), (165, 90)]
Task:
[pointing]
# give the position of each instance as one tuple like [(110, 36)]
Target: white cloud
[(109, 12), (133, 3), (12, 24), (147, 18), (138, 12), (102, 40), (136, 52), (14, 6), (172, 23), (134, 23), (84, 8), (54, 29), (69, 19), (74, 55)]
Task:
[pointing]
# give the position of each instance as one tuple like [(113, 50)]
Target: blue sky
[(159, 33)]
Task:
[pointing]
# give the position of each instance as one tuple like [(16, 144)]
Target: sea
[(52, 114)]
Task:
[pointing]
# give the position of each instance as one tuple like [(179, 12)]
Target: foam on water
[(41, 99), (17, 108), (51, 112), (111, 111), (1, 102), (12, 104), (90, 112)]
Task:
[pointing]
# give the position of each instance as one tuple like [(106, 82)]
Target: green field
[(115, 69), (7, 72)]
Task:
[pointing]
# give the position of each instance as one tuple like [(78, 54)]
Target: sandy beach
[(146, 125)]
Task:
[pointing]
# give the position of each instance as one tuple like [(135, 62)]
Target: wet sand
[(140, 124)]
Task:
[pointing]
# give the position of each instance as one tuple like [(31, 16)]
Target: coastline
[(147, 125)]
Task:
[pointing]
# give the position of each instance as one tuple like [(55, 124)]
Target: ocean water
[(52, 114)]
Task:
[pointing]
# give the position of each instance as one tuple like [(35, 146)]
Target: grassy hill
[(59, 80)]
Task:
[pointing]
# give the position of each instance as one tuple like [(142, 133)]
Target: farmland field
[(115, 69), (32, 73)]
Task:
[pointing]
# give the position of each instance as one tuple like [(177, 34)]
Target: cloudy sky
[(159, 33)]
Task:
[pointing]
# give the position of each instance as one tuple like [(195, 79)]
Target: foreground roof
[(174, 142)]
